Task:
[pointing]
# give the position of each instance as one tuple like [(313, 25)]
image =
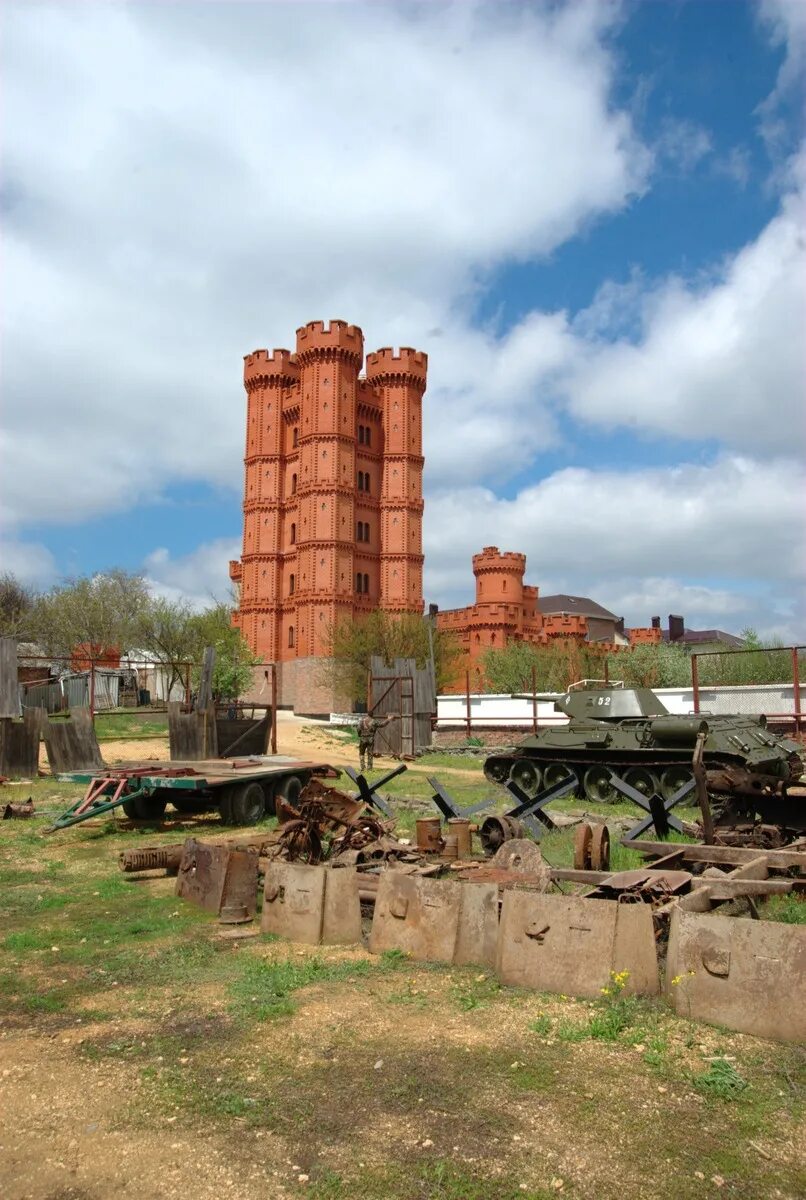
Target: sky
[(589, 215)]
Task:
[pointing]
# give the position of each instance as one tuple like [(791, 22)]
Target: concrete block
[(747, 975), (417, 916), (477, 932), (341, 919), (293, 902), (568, 944)]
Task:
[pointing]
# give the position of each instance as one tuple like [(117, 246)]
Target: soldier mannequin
[(367, 729)]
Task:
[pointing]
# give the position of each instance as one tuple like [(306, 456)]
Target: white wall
[(489, 711)]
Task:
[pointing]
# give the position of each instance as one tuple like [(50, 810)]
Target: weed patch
[(721, 1080)]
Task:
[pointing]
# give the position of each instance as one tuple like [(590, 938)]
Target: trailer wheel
[(145, 808), (248, 804), (290, 789)]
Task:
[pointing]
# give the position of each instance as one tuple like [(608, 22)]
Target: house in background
[(601, 625)]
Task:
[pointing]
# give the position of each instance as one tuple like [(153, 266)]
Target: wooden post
[(467, 708), (92, 690), (606, 671), (796, 687), (205, 697), (702, 790), (187, 687), (695, 682), (534, 699), (274, 708)]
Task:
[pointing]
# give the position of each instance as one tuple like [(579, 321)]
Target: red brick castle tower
[(333, 498)]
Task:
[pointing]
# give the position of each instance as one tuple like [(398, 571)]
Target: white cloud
[(719, 357), (683, 143), (709, 533), (220, 174), (32, 563), (201, 578)]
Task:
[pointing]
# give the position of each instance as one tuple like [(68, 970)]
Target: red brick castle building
[(333, 499)]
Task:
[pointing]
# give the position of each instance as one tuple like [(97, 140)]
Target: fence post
[(695, 682), (606, 671), (534, 699), (92, 690), (187, 687), (467, 703), (274, 708), (796, 687)]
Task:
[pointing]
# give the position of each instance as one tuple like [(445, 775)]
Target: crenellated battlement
[(491, 559), (270, 368), (406, 364), (335, 338)]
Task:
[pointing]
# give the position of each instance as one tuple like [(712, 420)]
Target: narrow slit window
[(293, 532), (290, 636), (292, 584), (366, 585), (293, 483)]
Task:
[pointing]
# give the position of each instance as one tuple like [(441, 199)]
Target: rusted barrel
[(461, 827), (451, 846), (429, 834)]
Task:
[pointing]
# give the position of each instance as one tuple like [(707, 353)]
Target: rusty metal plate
[(568, 944), (477, 932), (293, 902), (341, 922), (239, 901), (416, 915), (747, 975), (202, 874)]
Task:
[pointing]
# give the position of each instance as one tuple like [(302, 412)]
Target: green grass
[(789, 908), (262, 989), (114, 727), (720, 1080)]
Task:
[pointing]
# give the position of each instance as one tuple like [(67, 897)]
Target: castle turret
[(399, 378), (499, 577)]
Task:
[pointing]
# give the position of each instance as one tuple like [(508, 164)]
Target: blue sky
[(590, 216)]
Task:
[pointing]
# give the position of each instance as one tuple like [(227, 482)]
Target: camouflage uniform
[(367, 729)]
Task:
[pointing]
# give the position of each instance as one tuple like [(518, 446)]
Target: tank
[(630, 731)]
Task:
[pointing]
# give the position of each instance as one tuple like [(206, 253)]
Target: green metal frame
[(112, 795)]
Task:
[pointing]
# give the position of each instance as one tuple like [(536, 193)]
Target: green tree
[(16, 606), (352, 644), (103, 610), (168, 631), (232, 672)]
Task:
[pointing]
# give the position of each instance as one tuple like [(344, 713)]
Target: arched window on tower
[(290, 636), (361, 434), (366, 531), (293, 532), (293, 483), (358, 583), (366, 481), (292, 584), (360, 481), (366, 585), (359, 531), (295, 436), (367, 432)]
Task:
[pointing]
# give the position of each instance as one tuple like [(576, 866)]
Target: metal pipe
[(467, 704), (695, 682), (796, 687), (274, 708)]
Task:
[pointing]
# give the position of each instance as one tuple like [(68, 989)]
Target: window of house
[(292, 584), (290, 635), (293, 483), (293, 532)]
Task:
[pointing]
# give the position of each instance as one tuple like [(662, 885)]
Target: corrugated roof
[(580, 606)]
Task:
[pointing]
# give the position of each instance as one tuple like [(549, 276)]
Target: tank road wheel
[(583, 838), (248, 803), (554, 773), (598, 787), (645, 782), (497, 769), (600, 848), (527, 776), (673, 779)]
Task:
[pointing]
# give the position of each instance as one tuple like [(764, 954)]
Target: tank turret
[(629, 733)]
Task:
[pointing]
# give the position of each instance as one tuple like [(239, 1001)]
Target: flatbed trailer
[(243, 790)]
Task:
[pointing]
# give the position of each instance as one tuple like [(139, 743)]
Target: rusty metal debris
[(220, 879), (18, 811)]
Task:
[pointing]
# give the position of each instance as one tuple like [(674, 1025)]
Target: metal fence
[(751, 682)]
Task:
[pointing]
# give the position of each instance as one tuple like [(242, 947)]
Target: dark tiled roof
[(580, 606), (696, 637)]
